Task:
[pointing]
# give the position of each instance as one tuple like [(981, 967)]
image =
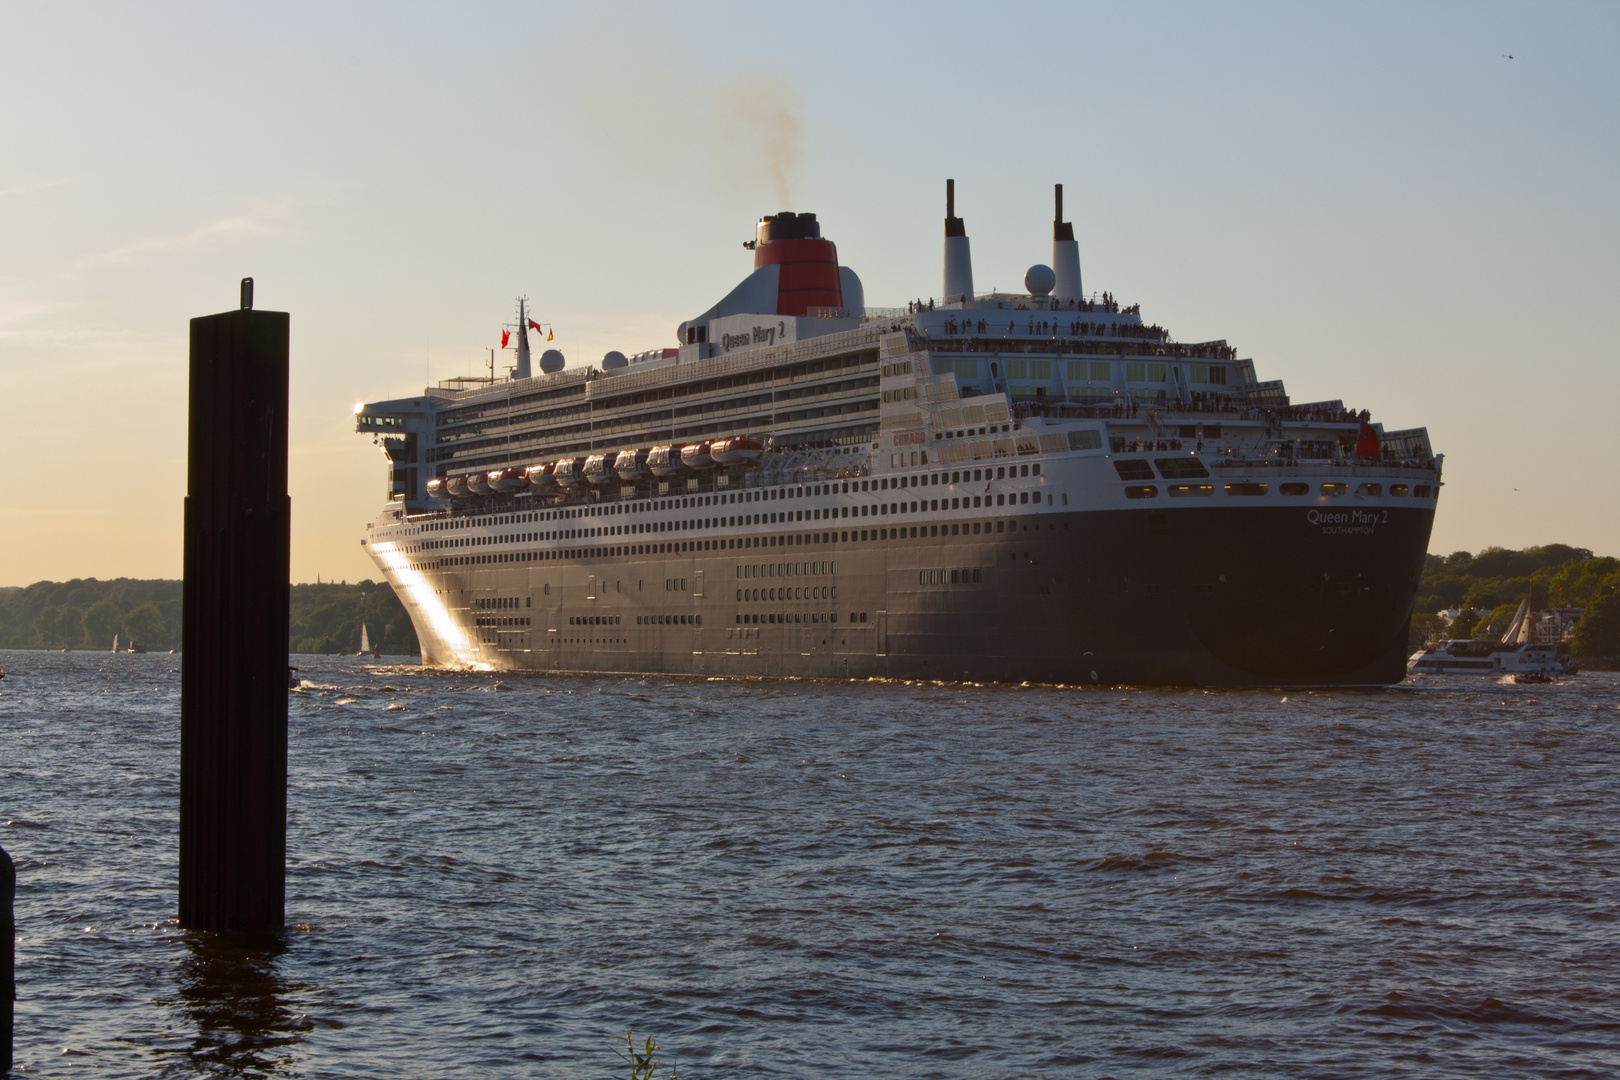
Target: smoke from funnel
[(764, 114)]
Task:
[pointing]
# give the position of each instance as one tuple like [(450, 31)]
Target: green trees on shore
[(85, 614), (1496, 580)]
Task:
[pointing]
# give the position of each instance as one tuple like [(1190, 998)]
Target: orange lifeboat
[(631, 465), (738, 450), (664, 460), (437, 488), (510, 479), (569, 472), (597, 468), (539, 476), (478, 483), (698, 455), (457, 486)]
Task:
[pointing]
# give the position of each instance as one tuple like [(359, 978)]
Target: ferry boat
[(1516, 654), (1038, 485)]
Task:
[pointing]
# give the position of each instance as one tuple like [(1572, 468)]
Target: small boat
[(293, 681), (115, 643), (539, 476), (738, 450), (509, 479), (664, 460), (1533, 678), (597, 468), (478, 483), (136, 647), (1514, 654), (569, 472), (365, 641), (631, 465), (457, 487), (438, 488), (698, 455)]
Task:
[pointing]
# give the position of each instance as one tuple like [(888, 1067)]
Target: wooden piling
[(233, 696)]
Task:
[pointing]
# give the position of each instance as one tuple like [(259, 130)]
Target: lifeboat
[(631, 465), (697, 455), (510, 479), (599, 468), (457, 487), (569, 472), (736, 451), (437, 488), (478, 483), (664, 460), (540, 475)]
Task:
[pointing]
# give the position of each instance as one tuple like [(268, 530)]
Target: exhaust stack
[(958, 259), (1065, 255)]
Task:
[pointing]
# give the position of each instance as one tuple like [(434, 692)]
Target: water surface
[(491, 875)]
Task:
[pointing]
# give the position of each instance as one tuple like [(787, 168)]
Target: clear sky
[(1372, 201)]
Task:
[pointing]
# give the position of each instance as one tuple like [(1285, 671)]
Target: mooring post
[(8, 968), (233, 681)]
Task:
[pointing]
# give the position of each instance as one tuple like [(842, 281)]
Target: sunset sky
[(1372, 201)]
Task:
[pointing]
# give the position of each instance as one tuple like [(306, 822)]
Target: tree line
[(1496, 579), (86, 614)]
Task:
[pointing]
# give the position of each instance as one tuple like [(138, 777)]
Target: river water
[(490, 876)]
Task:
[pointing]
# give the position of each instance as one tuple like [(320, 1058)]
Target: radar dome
[(613, 360), (551, 361), (1040, 280)]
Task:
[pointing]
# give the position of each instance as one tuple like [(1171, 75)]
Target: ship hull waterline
[(1211, 597)]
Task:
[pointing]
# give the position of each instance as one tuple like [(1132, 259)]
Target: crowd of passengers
[(1107, 304)]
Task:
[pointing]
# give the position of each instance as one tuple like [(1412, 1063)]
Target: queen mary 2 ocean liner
[(980, 486)]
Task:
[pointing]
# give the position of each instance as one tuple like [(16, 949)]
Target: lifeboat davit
[(478, 483), (437, 488), (697, 455), (457, 487), (510, 479), (539, 476), (599, 468), (664, 460), (736, 451), (569, 472), (631, 465)]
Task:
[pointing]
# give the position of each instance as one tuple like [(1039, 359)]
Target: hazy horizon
[(1372, 201)]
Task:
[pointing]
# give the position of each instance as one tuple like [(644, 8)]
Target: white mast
[(522, 369)]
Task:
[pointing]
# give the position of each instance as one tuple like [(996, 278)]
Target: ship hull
[(1213, 596)]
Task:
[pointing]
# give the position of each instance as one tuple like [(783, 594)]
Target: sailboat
[(115, 643), (365, 642)]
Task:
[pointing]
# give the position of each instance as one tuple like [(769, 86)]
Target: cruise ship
[(1009, 486)]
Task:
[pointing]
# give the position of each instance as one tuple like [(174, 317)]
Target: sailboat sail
[(365, 639), (115, 643), (1511, 637)]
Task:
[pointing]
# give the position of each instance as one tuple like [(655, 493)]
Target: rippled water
[(490, 876)]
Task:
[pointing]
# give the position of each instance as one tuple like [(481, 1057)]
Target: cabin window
[(1370, 489), (1295, 489), (1133, 469), (1145, 491), (1181, 468), (1183, 491), (1421, 491), (1397, 489), (1335, 489), (1245, 489)]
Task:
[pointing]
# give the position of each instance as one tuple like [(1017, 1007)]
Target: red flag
[(1367, 442), (506, 335), (535, 326)]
